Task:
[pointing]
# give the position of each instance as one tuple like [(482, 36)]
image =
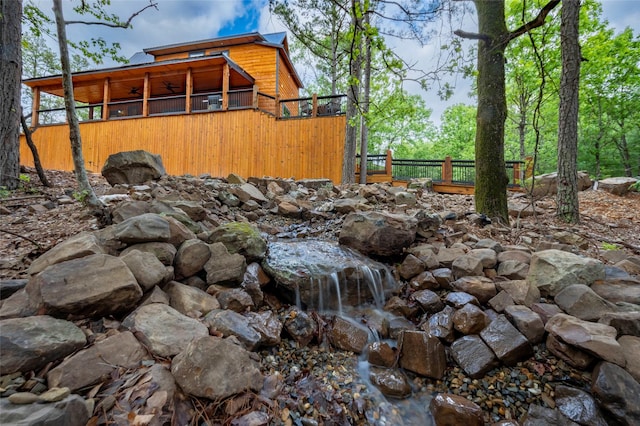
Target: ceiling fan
[(170, 86), (135, 91)]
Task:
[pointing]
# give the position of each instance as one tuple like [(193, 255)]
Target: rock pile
[(169, 315)]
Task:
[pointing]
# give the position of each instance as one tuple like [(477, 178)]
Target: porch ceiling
[(166, 78)]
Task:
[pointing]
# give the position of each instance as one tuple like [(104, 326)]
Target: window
[(196, 54)]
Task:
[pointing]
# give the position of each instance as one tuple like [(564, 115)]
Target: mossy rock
[(241, 238)]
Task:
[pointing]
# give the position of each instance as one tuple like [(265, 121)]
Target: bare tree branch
[(472, 36), (125, 24), (538, 21)]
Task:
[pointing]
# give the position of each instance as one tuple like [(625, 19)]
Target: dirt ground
[(33, 219)]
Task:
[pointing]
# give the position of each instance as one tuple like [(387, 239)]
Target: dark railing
[(267, 103), (120, 109), (314, 106), (447, 171), (210, 101), (59, 115), (167, 105)]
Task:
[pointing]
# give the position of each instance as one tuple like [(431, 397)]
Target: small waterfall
[(324, 276)]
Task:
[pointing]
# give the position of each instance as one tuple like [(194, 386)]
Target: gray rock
[(509, 345), (570, 354), (487, 256), (235, 299), (381, 234), (224, 369), (473, 356), (578, 406), (553, 270), (513, 269), (191, 257), (75, 247), (481, 287), (391, 382), (522, 291), (542, 416), (465, 266), (382, 354), (190, 301), (348, 335), (617, 393), (527, 322), (470, 319), (230, 323), (597, 339), (616, 185), (223, 267), (165, 252), (146, 268), (71, 411), (428, 300), (300, 326), (30, 343), (144, 228), (90, 286), (623, 322), (517, 255), (268, 325), (458, 299), (580, 301), (421, 353), (631, 348), (546, 310), (132, 168), (500, 301), (242, 238), (410, 267), (162, 329), (97, 362), (447, 255), (450, 409), (441, 325)]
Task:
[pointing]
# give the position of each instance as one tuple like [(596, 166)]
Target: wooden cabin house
[(217, 106)]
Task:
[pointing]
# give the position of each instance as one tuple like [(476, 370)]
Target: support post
[(146, 92), (447, 170), (106, 98), (314, 105), (35, 107), (388, 163), (188, 89)]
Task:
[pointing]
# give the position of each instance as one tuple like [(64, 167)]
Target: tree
[(493, 37), (67, 84), (10, 74), (567, 194)]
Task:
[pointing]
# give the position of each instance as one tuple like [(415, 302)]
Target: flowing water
[(335, 280)]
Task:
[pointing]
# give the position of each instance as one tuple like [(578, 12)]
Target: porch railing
[(447, 171), (313, 106)]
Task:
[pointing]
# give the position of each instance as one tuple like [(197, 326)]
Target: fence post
[(278, 107), (388, 163), (255, 96), (314, 105), (447, 170)]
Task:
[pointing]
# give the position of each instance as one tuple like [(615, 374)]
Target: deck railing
[(447, 171), (313, 106)]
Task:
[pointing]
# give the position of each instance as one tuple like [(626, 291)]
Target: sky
[(178, 21)]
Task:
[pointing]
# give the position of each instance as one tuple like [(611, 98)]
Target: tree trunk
[(491, 177), (69, 102), (34, 151), (364, 129), (567, 195), (353, 97), (10, 80)]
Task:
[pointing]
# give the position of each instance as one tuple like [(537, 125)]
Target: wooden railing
[(444, 172), (313, 106)]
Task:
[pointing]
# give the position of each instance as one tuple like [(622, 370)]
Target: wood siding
[(246, 142)]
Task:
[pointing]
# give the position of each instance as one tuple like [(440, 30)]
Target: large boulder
[(616, 185), (553, 270), (90, 286), (30, 343), (132, 168), (377, 233), (223, 369), (547, 184)]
